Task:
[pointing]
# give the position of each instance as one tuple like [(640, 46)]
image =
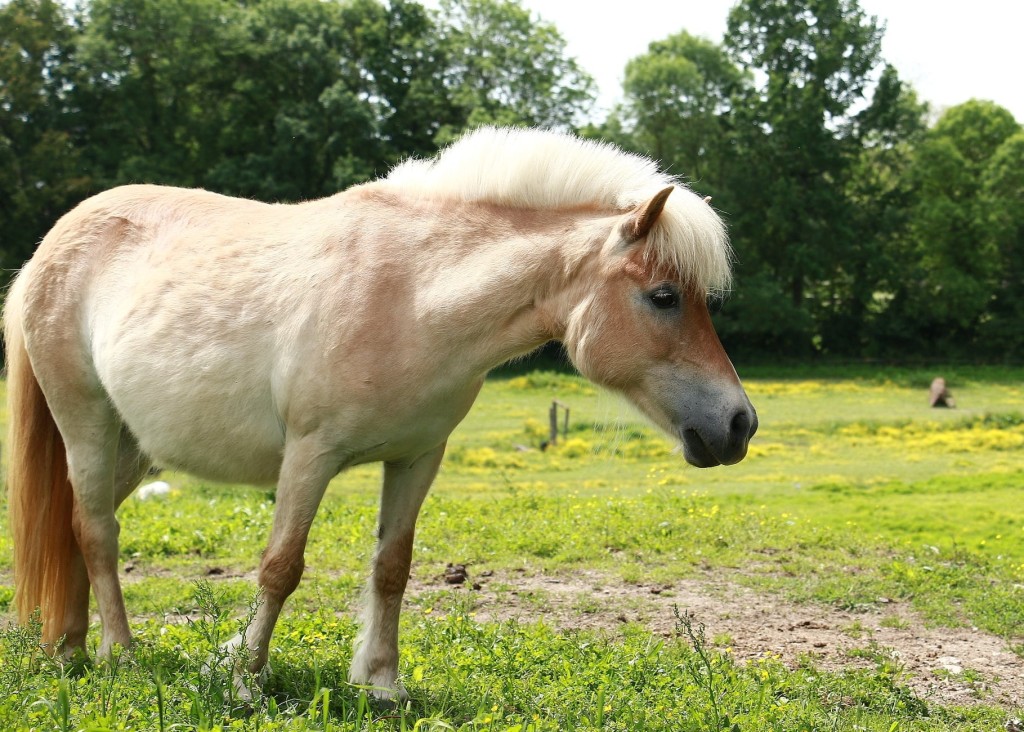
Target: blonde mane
[(542, 169)]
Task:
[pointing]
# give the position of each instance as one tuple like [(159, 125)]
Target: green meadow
[(855, 498)]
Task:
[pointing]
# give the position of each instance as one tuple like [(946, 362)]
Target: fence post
[(553, 421)]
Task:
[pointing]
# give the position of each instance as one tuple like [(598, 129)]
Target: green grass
[(469, 675), (854, 490)]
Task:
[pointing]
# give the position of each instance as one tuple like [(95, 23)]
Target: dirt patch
[(942, 665)]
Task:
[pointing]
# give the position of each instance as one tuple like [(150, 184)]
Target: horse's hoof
[(388, 704), (386, 700), (241, 691), (112, 653), (75, 656), (241, 683), (232, 656), (396, 695), (385, 690)]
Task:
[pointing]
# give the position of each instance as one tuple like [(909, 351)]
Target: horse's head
[(643, 329)]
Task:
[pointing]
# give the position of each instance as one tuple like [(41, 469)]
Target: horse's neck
[(497, 281)]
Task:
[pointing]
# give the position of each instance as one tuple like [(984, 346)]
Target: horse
[(280, 344)]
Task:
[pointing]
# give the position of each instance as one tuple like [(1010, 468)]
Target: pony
[(281, 344)]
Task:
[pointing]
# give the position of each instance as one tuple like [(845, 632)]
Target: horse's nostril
[(739, 428)]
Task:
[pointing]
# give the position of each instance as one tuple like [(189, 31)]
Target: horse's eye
[(664, 298)]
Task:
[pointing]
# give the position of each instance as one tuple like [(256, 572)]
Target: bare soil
[(948, 666)]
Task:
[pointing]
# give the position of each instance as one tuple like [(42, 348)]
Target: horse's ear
[(641, 220)]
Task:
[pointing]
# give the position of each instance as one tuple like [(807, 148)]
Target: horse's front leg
[(375, 662), (306, 470)]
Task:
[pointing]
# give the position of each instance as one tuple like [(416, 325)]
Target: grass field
[(616, 584)]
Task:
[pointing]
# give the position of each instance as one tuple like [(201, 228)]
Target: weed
[(222, 676), (586, 603), (21, 650), (702, 667), (60, 707), (722, 640), (895, 622), (856, 629)]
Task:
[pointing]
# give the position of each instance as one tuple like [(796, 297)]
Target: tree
[(301, 116), (797, 138), (855, 317), (40, 174), (274, 99), (291, 99), (408, 64), (1002, 205), (149, 74), (977, 129), (506, 68), (961, 247), (265, 99), (677, 106), (803, 136)]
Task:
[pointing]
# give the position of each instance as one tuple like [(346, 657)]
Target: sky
[(948, 51)]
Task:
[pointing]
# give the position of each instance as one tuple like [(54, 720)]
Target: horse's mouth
[(696, 452)]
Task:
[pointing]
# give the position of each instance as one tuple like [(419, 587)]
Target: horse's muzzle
[(706, 447)]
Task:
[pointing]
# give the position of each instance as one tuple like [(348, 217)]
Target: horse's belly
[(220, 425), (244, 448)]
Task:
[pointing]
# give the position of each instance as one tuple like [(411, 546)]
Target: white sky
[(949, 51)]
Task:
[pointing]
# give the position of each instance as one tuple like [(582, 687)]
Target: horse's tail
[(39, 498)]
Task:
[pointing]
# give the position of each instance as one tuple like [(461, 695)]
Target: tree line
[(864, 225)]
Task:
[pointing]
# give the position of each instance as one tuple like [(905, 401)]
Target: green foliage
[(857, 231), (759, 317), (507, 68), (797, 140), (1002, 205), (288, 99), (977, 129), (951, 289), (40, 174), (852, 313), (281, 100), (681, 78)]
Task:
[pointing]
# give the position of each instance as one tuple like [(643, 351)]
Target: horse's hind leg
[(76, 614), (130, 467), (376, 657), (91, 431)]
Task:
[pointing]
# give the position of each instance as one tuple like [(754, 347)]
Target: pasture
[(862, 569)]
